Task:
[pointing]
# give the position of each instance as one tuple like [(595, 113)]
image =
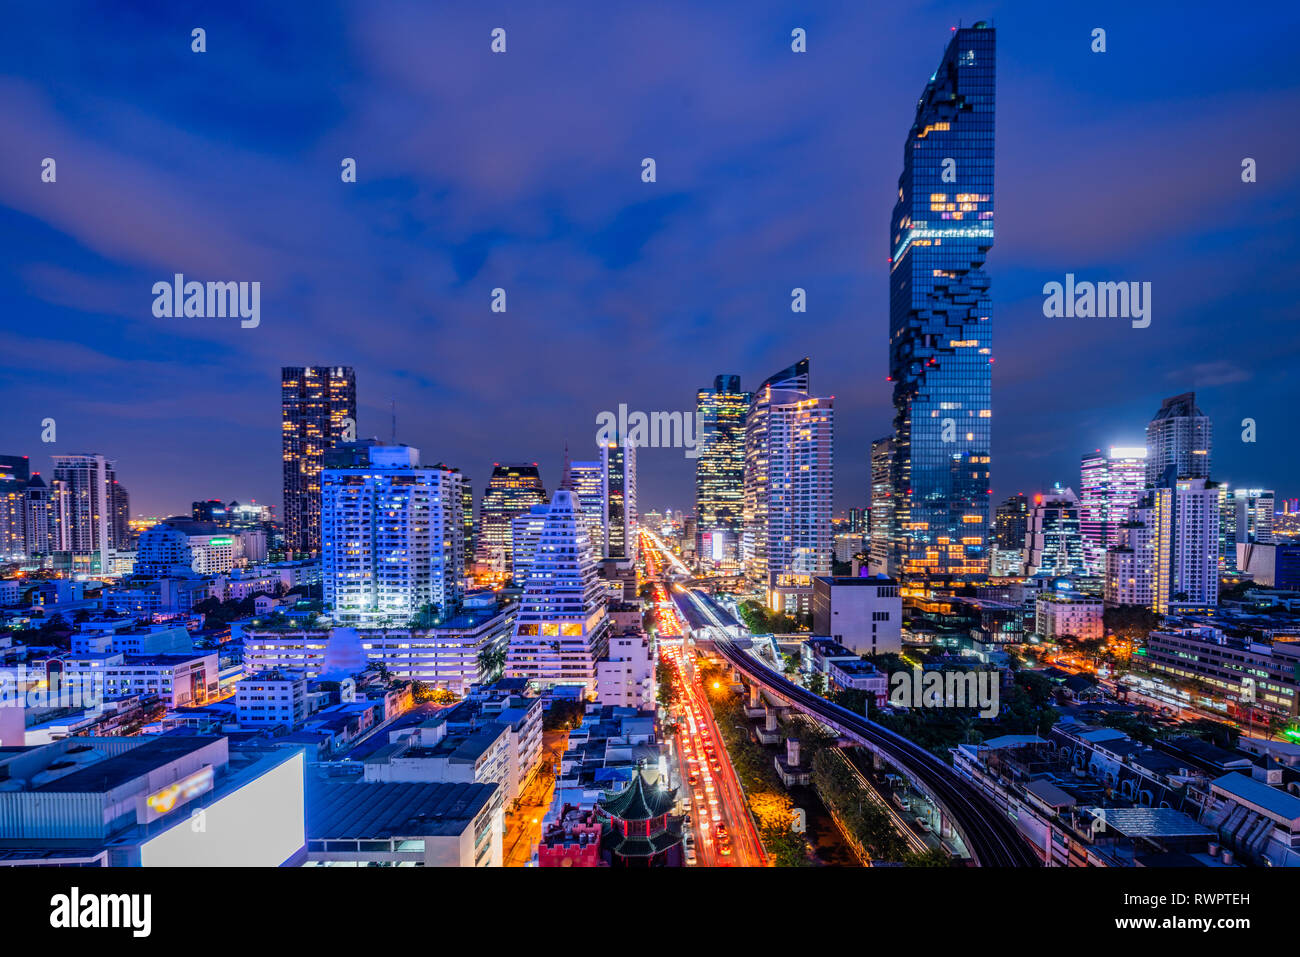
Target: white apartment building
[(392, 538), (626, 675), (179, 680), (562, 626), (525, 533), (1186, 574), (448, 656), (1057, 614), (270, 698), (864, 615), (1130, 565)]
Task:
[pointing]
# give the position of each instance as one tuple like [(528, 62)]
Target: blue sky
[(522, 171)]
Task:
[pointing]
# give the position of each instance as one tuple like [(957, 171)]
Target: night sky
[(522, 171)]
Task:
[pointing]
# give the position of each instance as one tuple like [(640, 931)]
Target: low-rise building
[(269, 699), (1061, 613), (864, 614), (626, 675)]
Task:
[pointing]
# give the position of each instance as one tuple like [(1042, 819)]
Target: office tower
[(940, 317), (720, 467), (512, 490), (881, 527), (318, 409), (618, 474), (1009, 523), (525, 534), (562, 627), (858, 520), (1186, 576), (1130, 562), (44, 516), (392, 538), (467, 522), (14, 477), (1182, 436), (1111, 484), (1053, 542), (1245, 518), (786, 538), (90, 526), (212, 510), (119, 503), (587, 481)]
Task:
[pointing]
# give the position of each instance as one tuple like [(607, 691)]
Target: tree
[(492, 661), (666, 685), (817, 683)]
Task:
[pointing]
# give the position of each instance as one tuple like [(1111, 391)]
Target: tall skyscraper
[(512, 490), (1186, 574), (1009, 525), (1245, 518), (940, 317), (1111, 484), (1182, 436), (881, 528), (318, 410), (587, 481), (1131, 561), (14, 478), (789, 483), (562, 627), (89, 526), (525, 535), (1053, 541), (392, 538), (720, 467), (618, 469)]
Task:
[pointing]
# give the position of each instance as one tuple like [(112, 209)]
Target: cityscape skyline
[(448, 234), (1043, 613)]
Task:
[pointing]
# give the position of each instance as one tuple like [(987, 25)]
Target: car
[(694, 780), (923, 824)]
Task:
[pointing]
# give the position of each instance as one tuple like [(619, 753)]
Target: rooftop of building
[(104, 775), (843, 581), (380, 810)]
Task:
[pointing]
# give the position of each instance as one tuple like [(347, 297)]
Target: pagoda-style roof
[(637, 801), (644, 846)]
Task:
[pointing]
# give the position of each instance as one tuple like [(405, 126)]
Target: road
[(992, 838), (724, 830)]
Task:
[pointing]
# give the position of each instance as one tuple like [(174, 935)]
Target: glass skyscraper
[(317, 406), (720, 468), (940, 318)]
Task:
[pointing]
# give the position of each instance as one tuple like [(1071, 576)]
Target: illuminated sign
[(221, 541), (179, 792)]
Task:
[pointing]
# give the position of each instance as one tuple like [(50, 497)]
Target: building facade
[(318, 410), (941, 316)]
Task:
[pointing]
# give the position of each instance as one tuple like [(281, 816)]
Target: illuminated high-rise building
[(881, 529), (1181, 436), (587, 481), (512, 490), (1111, 484), (1186, 572), (1009, 524), (1245, 518), (89, 526), (789, 481), (392, 539), (14, 477), (720, 467), (940, 317), (618, 467), (318, 410), (1053, 541), (562, 627)]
